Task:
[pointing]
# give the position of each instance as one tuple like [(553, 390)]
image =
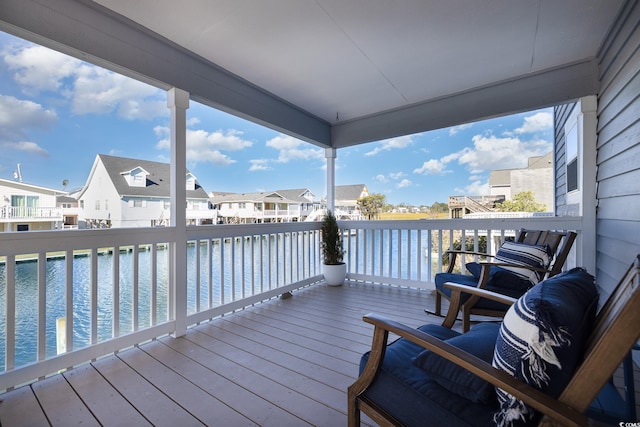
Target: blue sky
[(57, 113)]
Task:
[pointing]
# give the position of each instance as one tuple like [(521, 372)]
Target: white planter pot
[(335, 275)]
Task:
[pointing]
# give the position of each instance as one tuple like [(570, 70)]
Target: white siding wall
[(100, 189)]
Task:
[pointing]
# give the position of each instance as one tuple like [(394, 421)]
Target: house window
[(22, 227), (25, 201), (106, 205), (571, 145), (242, 205), (97, 205), (167, 204), (137, 203)]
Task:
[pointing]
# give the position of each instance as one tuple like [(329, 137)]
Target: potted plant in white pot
[(334, 269)]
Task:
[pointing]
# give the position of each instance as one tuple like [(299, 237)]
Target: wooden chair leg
[(353, 413), (466, 319), (438, 304)]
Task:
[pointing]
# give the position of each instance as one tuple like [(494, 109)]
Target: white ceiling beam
[(539, 90)]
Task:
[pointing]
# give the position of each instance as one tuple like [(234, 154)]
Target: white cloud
[(89, 89), (27, 147), (396, 175), (38, 68), (538, 122), (455, 129), (475, 188), (203, 146), (432, 167), (404, 183), (259, 165), (17, 116), (381, 178), (391, 144), (99, 91), (291, 148), (490, 152)]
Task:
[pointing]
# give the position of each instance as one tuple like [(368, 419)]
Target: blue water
[(255, 274)]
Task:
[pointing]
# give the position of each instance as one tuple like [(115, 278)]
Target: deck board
[(284, 362), (107, 405)]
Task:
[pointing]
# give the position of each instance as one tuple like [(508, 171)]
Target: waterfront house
[(537, 177), (123, 192), (263, 207), (334, 74), (25, 207), (70, 210), (346, 201)]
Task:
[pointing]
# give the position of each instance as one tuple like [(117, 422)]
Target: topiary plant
[(331, 240)]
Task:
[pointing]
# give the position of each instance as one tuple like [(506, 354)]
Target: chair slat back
[(560, 243), (616, 330)]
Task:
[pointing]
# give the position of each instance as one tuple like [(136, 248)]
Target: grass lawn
[(410, 215)]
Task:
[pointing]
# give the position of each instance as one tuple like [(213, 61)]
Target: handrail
[(228, 267)]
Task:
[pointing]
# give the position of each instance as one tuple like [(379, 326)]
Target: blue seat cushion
[(500, 280), (479, 341), (542, 337), (414, 397)]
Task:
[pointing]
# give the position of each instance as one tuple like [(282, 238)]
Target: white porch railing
[(114, 286), (24, 213)]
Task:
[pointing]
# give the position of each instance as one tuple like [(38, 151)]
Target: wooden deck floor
[(286, 362)]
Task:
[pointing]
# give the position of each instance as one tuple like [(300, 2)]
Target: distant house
[(25, 207), (346, 201), (537, 177), (259, 207), (123, 192), (70, 210)]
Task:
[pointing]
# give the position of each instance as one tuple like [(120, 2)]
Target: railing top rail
[(550, 223)]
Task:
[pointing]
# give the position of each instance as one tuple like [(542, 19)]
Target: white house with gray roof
[(26, 207), (346, 201), (123, 192), (269, 206)]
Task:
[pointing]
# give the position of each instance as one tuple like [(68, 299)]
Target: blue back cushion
[(542, 337), (479, 341)]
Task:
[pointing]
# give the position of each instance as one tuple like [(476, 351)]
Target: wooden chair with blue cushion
[(543, 365), (516, 267)]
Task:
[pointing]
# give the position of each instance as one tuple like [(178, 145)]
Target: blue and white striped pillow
[(542, 337), (537, 256)]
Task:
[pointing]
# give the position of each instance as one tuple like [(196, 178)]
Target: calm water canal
[(256, 275)]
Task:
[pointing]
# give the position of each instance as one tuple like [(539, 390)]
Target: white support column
[(178, 102), (330, 154), (588, 122)]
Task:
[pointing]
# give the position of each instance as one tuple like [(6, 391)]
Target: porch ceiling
[(342, 72)]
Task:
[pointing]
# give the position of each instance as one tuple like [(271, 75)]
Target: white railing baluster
[(134, 294), (93, 335), (153, 267), (42, 306), (116, 292), (69, 300), (10, 310)]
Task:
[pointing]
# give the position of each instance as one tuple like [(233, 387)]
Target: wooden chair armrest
[(454, 251), (483, 293), (531, 396), (455, 301)]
